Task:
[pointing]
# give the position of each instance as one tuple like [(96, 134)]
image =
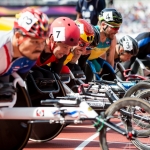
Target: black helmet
[(96, 37), (111, 16), (129, 44)]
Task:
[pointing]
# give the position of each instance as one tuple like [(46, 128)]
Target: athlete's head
[(110, 21), (64, 34), (86, 34), (31, 29), (127, 48)]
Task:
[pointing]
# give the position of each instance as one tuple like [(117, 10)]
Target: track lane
[(79, 137)]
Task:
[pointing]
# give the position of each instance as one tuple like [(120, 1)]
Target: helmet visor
[(83, 44), (113, 27), (87, 38)]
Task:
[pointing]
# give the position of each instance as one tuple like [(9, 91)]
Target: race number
[(81, 27), (59, 33), (127, 45), (27, 20), (108, 16)]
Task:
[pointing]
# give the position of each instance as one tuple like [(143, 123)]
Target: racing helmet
[(111, 16), (86, 31), (129, 44), (33, 23), (65, 30)]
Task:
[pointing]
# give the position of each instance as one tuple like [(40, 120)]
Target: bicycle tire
[(43, 132), (15, 133), (117, 106), (144, 94), (141, 85)]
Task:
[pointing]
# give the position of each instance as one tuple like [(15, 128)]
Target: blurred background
[(135, 13)]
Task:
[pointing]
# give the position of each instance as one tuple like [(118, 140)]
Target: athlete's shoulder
[(97, 27), (142, 35), (5, 37)]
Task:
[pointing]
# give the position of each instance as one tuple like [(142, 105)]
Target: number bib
[(27, 20)]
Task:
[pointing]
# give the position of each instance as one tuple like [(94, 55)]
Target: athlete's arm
[(78, 10), (82, 61), (78, 15), (57, 66), (103, 56), (76, 55), (24, 71), (110, 56)]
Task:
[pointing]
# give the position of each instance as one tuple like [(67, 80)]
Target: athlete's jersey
[(68, 59), (50, 60), (101, 48), (144, 44), (8, 64), (45, 58), (90, 10)]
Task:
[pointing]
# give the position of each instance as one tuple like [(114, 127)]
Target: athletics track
[(81, 137)]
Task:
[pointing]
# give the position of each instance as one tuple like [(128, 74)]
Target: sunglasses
[(113, 27), (83, 44)]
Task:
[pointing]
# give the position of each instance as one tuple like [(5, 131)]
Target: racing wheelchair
[(18, 116)]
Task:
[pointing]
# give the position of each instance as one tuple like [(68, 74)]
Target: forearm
[(75, 58), (78, 15), (57, 66)]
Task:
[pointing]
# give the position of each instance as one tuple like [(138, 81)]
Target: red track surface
[(78, 137)]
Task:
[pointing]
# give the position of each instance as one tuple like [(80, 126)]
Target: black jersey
[(90, 10), (144, 44)]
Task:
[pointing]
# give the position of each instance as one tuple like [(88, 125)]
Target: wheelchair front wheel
[(14, 134), (118, 118)]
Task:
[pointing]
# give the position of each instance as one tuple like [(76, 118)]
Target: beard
[(110, 36)]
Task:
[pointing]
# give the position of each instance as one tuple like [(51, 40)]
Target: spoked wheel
[(145, 95), (14, 134), (42, 132), (136, 89), (142, 140)]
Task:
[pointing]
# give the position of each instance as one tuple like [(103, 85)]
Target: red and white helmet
[(33, 23), (65, 30), (86, 30)]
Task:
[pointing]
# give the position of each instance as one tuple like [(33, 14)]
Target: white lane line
[(91, 138), (87, 141)]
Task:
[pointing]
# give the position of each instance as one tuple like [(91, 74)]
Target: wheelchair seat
[(78, 74), (64, 77), (139, 67), (42, 85)]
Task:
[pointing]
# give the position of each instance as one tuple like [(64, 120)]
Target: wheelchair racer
[(21, 47), (110, 21), (64, 34), (86, 38), (126, 48), (143, 40)]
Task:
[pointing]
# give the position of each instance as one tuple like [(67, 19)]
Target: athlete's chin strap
[(105, 30), (20, 42), (51, 48), (120, 53)]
